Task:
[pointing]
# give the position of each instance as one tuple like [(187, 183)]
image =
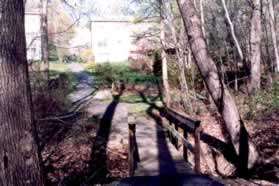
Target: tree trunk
[(19, 157), (273, 33), (202, 19), (180, 56), (269, 61), (255, 53), (183, 86), (217, 89), (44, 38), (164, 58), (235, 40)]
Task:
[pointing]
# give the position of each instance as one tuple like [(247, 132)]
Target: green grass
[(132, 98), (139, 108), (59, 67), (137, 105)]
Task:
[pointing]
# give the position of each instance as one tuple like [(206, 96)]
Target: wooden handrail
[(187, 125), (182, 121)]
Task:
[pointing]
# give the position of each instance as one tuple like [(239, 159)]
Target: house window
[(103, 43)]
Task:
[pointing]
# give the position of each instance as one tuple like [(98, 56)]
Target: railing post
[(177, 141), (197, 147), (185, 150), (132, 146)]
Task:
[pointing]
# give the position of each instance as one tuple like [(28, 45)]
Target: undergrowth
[(50, 97), (107, 73), (264, 102), (269, 98)]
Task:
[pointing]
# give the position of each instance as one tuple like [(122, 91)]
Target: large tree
[(232, 31), (255, 42), (164, 56), (19, 157), (44, 37), (273, 34), (220, 94), (180, 56)]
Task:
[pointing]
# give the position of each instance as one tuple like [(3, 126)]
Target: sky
[(95, 10), (111, 8), (102, 9)]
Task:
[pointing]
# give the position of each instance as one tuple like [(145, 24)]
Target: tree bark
[(216, 87), (235, 40), (184, 86), (180, 56), (44, 38), (202, 18), (19, 157), (164, 57), (273, 34), (255, 53), (269, 62)]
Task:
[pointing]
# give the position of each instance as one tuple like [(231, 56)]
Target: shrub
[(50, 97), (269, 98), (52, 54), (107, 73), (90, 67), (140, 62), (72, 58), (265, 101), (87, 56)]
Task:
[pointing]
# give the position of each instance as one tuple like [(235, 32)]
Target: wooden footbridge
[(158, 152)]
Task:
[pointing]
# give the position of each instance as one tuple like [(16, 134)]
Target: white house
[(33, 35), (113, 41), (32, 29)]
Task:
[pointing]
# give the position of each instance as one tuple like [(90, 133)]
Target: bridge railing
[(178, 127)]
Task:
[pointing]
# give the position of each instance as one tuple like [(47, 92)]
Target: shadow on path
[(166, 162), (167, 180), (98, 169)]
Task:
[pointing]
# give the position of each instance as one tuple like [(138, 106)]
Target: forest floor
[(68, 145)]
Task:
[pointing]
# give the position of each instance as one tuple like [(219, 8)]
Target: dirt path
[(109, 150), (84, 88), (113, 112)]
